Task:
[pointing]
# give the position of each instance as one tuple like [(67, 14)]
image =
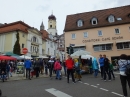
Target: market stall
[(83, 57)]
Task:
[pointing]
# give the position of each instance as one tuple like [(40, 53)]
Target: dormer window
[(94, 21), (111, 19), (80, 23)]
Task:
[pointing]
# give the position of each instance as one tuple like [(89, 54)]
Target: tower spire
[(42, 26)]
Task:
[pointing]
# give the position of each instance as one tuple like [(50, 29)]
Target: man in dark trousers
[(106, 68), (70, 66), (28, 65), (37, 67), (51, 66)]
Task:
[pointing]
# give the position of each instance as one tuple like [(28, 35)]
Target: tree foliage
[(16, 49)]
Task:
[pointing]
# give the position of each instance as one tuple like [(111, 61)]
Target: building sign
[(103, 39)]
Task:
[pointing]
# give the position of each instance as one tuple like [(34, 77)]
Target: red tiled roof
[(44, 34), (19, 25), (101, 15)]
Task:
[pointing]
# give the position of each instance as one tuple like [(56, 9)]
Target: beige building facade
[(29, 38), (100, 32)]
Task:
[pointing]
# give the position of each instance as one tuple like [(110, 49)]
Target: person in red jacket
[(70, 66)]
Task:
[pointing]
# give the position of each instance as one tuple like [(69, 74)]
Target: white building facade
[(34, 43)]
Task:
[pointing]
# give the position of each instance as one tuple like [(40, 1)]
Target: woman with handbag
[(123, 62), (58, 67)]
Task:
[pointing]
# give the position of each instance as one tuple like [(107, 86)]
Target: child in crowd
[(111, 70)]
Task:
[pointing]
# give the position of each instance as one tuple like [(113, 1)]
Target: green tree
[(16, 49)]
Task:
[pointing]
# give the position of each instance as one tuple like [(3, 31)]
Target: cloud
[(42, 8), (34, 11)]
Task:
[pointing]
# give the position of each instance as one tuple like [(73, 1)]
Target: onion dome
[(52, 17)]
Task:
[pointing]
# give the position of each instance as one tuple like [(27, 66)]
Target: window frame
[(94, 19), (84, 34), (111, 17), (23, 35), (123, 45), (50, 26), (22, 45), (118, 31), (100, 47), (72, 35), (101, 32), (80, 23)]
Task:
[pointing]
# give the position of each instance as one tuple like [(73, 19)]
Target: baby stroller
[(3, 75)]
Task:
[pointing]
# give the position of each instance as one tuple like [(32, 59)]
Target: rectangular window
[(79, 48), (94, 22), (102, 47), (117, 31), (99, 33), (123, 45), (51, 44), (85, 34), (22, 45), (50, 26), (42, 51), (73, 36), (23, 35), (31, 48)]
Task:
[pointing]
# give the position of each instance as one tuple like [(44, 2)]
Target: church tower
[(42, 26), (52, 25)]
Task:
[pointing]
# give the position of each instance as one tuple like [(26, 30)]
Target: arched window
[(94, 21), (111, 19), (34, 39), (80, 23)]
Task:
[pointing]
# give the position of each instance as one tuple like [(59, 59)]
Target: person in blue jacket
[(28, 65), (95, 66), (101, 62)]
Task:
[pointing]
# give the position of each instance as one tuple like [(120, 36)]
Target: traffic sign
[(25, 50)]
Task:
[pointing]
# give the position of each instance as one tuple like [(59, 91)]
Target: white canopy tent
[(86, 57), (26, 57), (79, 53), (43, 57)]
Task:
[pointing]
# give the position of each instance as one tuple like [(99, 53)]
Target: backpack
[(127, 71), (77, 67)]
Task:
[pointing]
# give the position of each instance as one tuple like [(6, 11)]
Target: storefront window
[(123, 45), (96, 48), (79, 48), (126, 45), (102, 47), (108, 47)]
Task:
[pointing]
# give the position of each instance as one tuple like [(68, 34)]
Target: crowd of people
[(72, 67), (7, 67)]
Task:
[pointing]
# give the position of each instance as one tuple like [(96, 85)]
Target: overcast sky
[(33, 12)]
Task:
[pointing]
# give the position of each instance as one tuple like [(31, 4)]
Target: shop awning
[(103, 43), (78, 45), (122, 41)]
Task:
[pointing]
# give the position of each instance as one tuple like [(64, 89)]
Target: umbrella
[(7, 58), (17, 57), (26, 57), (11, 54), (86, 57)]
